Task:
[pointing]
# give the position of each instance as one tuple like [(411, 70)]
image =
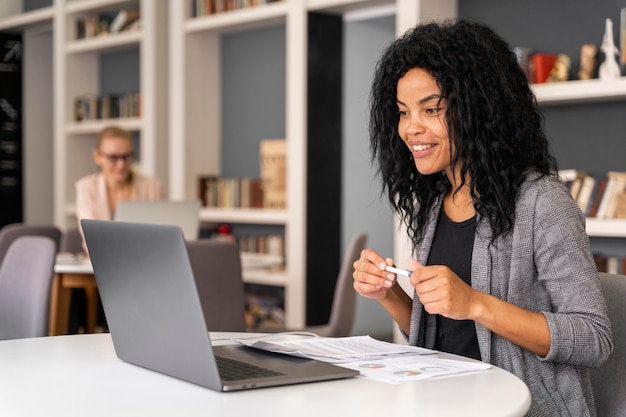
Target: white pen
[(403, 272)]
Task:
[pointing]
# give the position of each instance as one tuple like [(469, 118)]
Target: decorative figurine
[(588, 54), (560, 70), (609, 69)]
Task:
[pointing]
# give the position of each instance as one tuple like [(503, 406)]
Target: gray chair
[(216, 267), (609, 381), (343, 307), (12, 231), (71, 241), (25, 282)]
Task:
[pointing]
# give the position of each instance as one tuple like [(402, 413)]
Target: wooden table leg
[(54, 301), (60, 297), (91, 294), (88, 283), (59, 306)]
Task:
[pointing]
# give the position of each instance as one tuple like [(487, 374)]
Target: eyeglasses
[(113, 158)]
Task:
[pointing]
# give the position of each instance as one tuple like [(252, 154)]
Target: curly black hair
[(492, 118)]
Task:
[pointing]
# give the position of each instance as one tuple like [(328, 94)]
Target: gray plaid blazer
[(544, 265)]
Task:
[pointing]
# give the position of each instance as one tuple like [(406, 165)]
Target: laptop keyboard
[(231, 370)]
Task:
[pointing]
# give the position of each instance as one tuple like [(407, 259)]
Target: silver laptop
[(184, 214), (156, 320)]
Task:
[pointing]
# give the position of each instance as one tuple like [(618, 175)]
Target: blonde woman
[(97, 194)]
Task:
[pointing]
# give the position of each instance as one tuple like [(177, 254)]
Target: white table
[(80, 375)]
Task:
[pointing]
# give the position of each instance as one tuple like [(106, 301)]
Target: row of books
[(207, 7), (265, 307), (602, 197), (102, 24), (93, 107), (609, 263), (230, 192), (264, 244)]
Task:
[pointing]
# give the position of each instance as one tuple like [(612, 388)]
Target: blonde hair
[(113, 132)]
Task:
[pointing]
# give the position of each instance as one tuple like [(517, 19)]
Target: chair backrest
[(25, 282), (71, 241), (216, 267), (609, 381), (344, 301), (12, 231)]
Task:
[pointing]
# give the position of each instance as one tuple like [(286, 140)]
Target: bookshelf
[(196, 119), (83, 66), (173, 48), (568, 106), (580, 92)]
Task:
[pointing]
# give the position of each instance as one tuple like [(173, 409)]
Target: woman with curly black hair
[(503, 270)]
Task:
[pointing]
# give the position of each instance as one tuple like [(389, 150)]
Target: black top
[(452, 246)]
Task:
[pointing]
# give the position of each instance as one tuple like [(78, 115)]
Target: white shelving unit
[(77, 72), (587, 91), (195, 91)]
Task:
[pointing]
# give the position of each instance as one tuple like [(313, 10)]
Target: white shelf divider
[(243, 215), (606, 227), (580, 91)]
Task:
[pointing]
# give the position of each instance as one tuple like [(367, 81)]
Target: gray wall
[(253, 96), (260, 55), (364, 208)]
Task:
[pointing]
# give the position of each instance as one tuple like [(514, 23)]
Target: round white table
[(80, 375)]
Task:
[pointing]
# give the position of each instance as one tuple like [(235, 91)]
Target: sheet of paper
[(405, 368), (333, 349)]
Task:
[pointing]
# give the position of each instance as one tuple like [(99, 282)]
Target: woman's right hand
[(370, 278)]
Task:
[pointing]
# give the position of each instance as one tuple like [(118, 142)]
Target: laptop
[(156, 321), (184, 214)]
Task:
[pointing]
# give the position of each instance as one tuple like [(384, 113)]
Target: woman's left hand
[(442, 292)]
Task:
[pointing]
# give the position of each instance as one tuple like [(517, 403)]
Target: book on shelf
[(224, 192), (540, 66), (620, 209), (92, 106), (598, 194), (90, 26), (602, 197), (86, 107), (123, 19), (273, 244), (587, 184), (615, 186), (273, 163), (612, 264), (208, 7), (572, 178)]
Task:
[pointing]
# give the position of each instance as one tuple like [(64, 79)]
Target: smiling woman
[(459, 143), (422, 124), (97, 194)]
